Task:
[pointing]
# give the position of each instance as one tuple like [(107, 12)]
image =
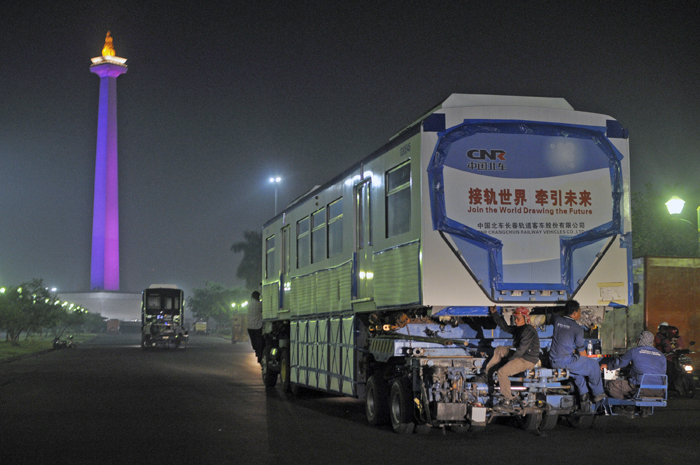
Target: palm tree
[(250, 268)]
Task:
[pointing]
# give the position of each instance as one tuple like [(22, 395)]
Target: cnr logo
[(480, 154)]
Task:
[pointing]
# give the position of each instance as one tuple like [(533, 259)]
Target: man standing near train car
[(255, 325), (526, 343), (569, 351)]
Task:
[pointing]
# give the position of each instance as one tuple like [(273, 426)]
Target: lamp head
[(675, 205)]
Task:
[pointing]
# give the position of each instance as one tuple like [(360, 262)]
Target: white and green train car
[(388, 270)]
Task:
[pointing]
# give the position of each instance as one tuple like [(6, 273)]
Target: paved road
[(109, 402)]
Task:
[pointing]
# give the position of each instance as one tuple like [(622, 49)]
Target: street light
[(675, 207), (275, 180)]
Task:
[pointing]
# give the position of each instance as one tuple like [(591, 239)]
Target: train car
[(377, 284), (163, 317)]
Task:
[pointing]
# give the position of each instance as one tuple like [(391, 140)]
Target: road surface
[(109, 402)]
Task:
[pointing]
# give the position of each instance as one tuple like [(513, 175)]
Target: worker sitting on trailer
[(643, 360), (526, 343), (569, 351)]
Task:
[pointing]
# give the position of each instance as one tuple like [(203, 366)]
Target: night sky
[(222, 94)]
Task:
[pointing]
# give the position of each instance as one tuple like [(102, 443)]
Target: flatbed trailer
[(378, 283)]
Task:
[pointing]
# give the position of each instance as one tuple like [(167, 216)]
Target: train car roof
[(452, 101)]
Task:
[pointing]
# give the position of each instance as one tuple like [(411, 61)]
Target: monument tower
[(104, 273)]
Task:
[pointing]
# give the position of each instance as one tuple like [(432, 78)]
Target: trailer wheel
[(401, 406), (377, 401), (269, 376), (284, 371), (146, 342), (580, 421), (530, 422), (549, 422)]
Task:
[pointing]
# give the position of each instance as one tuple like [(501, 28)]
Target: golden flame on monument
[(108, 49), (108, 54)]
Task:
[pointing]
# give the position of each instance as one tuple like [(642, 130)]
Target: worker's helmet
[(524, 312), (663, 323)]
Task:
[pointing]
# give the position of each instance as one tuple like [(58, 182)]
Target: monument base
[(124, 306)]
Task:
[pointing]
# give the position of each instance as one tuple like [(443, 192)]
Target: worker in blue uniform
[(568, 351), (643, 360)]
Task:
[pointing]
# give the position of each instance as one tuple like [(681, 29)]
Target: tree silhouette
[(250, 268)]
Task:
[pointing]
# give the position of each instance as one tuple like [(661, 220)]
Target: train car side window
[(303, 242), (335, 227), (398, 200), (269, 256), (284, 266), (318, 235)]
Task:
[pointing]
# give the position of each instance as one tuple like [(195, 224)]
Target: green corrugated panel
[(313, 353), (306, 295), (335, 353), (271, 300), (323, 298), (268, 302), (303, 344), (345, 286), (348, 355), (396, 276), (294, 352), (294, 298), (322, 353)]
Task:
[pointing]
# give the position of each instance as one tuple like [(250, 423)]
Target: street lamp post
[(275, 180), (675, 207)]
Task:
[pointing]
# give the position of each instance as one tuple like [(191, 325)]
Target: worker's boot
[(505, 406)]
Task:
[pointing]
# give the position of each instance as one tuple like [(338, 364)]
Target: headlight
[(688, 368)]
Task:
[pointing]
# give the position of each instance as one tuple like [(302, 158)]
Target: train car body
[(163, 317), (383, 276)]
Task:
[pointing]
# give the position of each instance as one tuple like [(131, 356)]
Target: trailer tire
[(549, 421), (377, 401), (269, 376), (285, 371), (146, 342), (401, 406), (530, 422), (580, 421)]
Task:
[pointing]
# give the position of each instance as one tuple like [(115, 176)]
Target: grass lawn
[(35, 344)]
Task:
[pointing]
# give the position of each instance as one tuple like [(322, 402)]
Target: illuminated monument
[(105, 297), (104, 274)]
